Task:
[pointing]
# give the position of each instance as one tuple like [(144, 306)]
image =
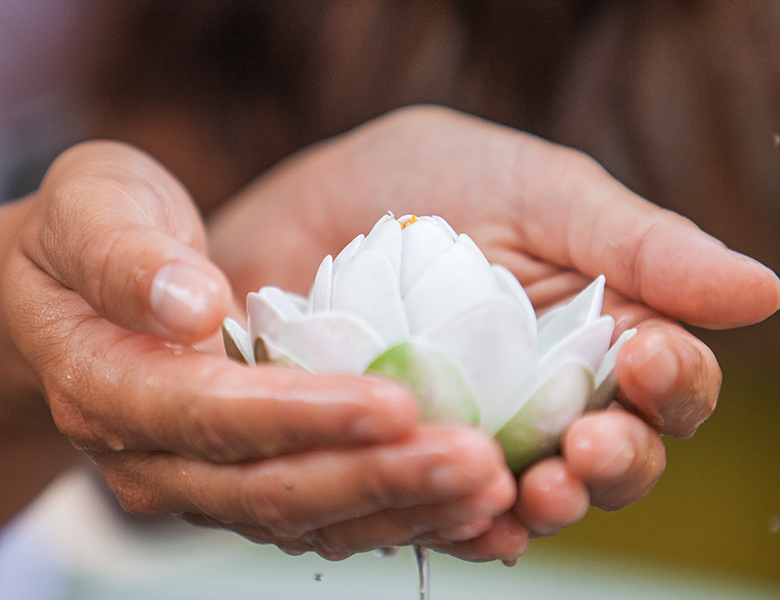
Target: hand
[(555, 218), (106, 286)]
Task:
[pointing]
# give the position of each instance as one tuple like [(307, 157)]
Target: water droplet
[(177, 348), (288, 485), (183, 472), (776, 140), (774, 524), (115, 444), (386, 552), (68, 376), (318, 577)]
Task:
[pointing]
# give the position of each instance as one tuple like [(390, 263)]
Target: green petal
[(535, 430), (441, 388)]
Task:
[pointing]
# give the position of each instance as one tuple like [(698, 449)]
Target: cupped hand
[(557, 220), (106, 287)]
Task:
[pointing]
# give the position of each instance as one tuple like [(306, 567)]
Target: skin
[(107, 285)]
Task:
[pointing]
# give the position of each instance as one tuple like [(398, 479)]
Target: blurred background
[(679, 99)]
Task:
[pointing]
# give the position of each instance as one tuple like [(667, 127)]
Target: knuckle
[(72, 422), (331, 546), (698, 399), (211, 431), (204, 434), (136, 493), (135, 499), (266, 504)]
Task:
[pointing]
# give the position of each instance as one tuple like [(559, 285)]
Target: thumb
[(113, 225)]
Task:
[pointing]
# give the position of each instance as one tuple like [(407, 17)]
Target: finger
[(463, 519), (258, 534), (111, 389), (648, 253), (668, 377), (296, 494), (618, 456), (443, 523), (507, 540), (550, 497), (117, 228)]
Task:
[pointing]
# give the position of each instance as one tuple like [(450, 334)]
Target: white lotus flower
[(419, 302)]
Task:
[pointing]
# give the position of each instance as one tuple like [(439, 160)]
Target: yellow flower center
[(409, 221)]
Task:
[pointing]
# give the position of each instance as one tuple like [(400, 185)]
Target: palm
[(557, 220)]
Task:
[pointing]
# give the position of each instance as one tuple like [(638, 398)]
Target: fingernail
[(659, 369), (450, 479), (719, 247), (468, 531), (617, 464), (490, 503), (181, 296), (376, 428)]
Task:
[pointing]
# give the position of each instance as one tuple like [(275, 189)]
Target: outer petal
[(459, 279), (238, 344), (367, 286), (606, 382), (535, 430), (269, 309), (279, 355), (585, 308), (440, 386), (322, 288), (329, 343), (589, 343), (509, 285), (424, 241), (385, 237), (494, 343), (548, 315), (348, 252)]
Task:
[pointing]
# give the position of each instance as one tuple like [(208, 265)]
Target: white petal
[(547, 316), (385, 237), (508, 284), (322, 288), (535, 429), (459, 279), (585, 308), (367, 286), (443, 225), (494, 343), (440, 386), (269, 309), (238, 344), (279, 356), (606, 382), (348, 252), (330, 343), (589, 343), (423, 243)]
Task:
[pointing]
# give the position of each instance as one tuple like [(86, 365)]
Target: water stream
[(423, 571)]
